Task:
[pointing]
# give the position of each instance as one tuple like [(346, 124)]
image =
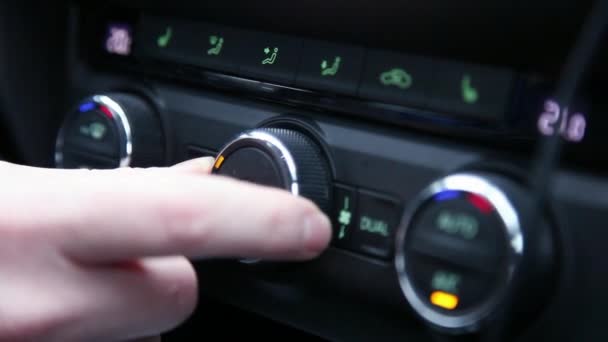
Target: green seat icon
[(396, 77)]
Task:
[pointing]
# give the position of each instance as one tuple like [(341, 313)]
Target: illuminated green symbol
[(469, 93), (345, 217), (217, 43), (445, 281), (94, 130), (326, 70), (374, 226), (463, 224), (273, 56), (164, 39), (397, 78)]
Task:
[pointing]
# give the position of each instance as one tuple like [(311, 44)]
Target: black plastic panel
[(391, 161)]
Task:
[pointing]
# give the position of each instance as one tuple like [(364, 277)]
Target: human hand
[(100, 255)]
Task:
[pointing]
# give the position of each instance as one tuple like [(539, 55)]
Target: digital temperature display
[(555, 119)]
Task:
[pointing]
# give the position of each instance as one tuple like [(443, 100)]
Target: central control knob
[(281, 158), (473, 249)]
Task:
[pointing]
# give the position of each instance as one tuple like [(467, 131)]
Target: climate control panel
[(461, 252), (419, 148)]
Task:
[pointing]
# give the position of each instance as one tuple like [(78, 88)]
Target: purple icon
[(119, 39), (571, 127)]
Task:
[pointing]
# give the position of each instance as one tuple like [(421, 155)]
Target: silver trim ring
[(468, 321), (121, 122), (279, 149), (275, 145)]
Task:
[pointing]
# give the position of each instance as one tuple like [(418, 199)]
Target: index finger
[(136, 213)]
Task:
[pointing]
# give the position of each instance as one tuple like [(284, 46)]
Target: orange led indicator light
[(444, 300), (219, 162)]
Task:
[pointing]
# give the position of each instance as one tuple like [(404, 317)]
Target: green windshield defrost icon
[(217, 43), (272, 58), (396, 77)]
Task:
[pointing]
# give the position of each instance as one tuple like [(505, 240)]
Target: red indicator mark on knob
[(480, 203)]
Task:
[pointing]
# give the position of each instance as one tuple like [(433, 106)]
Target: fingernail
[(317, 233), (203, 164), (206, 162)]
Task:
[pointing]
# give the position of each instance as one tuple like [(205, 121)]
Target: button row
[(364, 221), (375, 75)]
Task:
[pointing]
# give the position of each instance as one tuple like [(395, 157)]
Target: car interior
[(458, 148)]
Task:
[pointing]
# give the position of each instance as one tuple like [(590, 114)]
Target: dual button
[(364, 221)]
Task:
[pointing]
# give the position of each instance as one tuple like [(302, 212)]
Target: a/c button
[(375, 226)]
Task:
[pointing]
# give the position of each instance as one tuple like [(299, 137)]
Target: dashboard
[(459, 150)]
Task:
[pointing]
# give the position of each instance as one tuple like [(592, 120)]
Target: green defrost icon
[(396, 77)]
